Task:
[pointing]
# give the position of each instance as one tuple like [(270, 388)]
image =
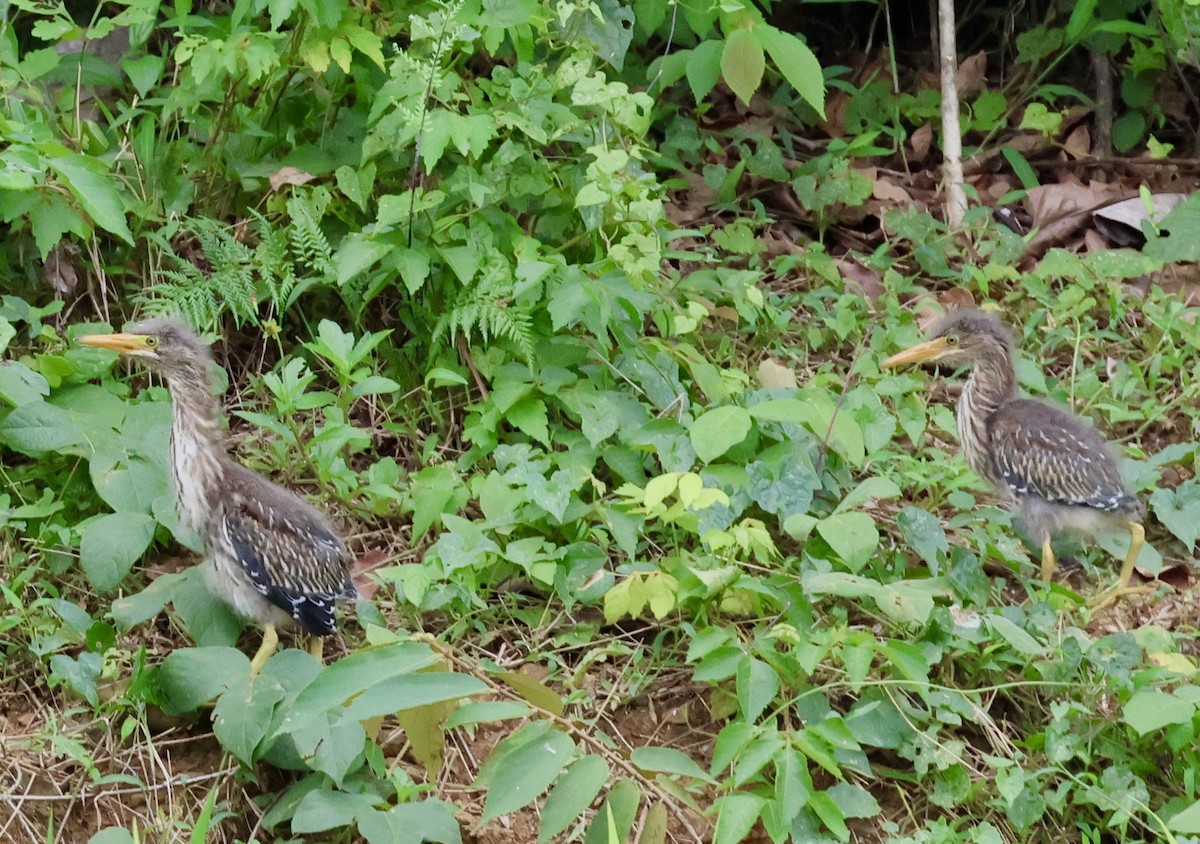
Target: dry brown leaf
[(971, 75), (886, 190), (288, 176), (861, 278), (921, 141), (1079, 143), (59, 270), (774, 375), (955, 298)]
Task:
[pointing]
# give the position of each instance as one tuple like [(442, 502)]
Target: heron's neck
[(197, 446), (992, 382)]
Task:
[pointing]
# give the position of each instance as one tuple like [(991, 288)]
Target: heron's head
[(164, 344), (963, 337)]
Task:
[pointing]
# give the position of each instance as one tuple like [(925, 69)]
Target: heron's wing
[(290, 555), (1043, 451)]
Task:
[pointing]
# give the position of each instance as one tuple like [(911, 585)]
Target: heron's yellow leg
[(266, 651), (1049, 566), (1137, 538), (317, 648)]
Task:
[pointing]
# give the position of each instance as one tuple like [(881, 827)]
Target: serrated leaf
[(757, 685), (742, 63)]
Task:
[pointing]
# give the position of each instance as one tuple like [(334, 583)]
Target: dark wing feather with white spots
[(1041, 450), (291, 555)]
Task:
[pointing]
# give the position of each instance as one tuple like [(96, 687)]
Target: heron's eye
[(951, 340), (152, 342)]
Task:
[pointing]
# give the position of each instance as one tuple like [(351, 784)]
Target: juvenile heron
[(1052, 464), (271, 556)]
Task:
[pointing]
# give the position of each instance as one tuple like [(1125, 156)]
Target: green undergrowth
[(639, 462)]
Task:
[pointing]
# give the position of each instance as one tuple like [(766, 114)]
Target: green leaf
[(719, 430), (736, 814), (1179, 510), (572, 794), (852, 536), (757, 685), (668, 760), (540, 755), (742, 63), (872, 489), (529, 416), (426, 822), (38, 427), (796, 62), (704, 68), (1186, 822), (111, 545), (925, 535), (487, 712), (190, 677), (20, 385), (96, 190), (112, 835), (358, 254), (323, 809), (1150, 710)]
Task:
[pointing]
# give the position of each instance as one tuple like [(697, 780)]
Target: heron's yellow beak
[(929, 350), (130, 344)]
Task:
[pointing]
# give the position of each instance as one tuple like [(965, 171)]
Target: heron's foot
[(316, 647), (267, 650), (1116, 593)]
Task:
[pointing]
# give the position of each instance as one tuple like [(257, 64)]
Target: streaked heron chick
[(1054, 466), (268, 553)]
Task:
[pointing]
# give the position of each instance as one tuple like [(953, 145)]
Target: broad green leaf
[(111, 545), (704, 68), (572, 794), (534, 691), (96, 190), (925, 535), (139, 607), (190, 677), (872, 489), (1020, 641), (1179, 510), (20, 385), (736, 814), (757, 685), (358, 254), (426, 822), (539, 761), (719, 430), (830, 814), (487, 712), (796, 62), (742, 63), (852, 536), (616, 817), (323, 809), (1186, 822), (38, 427), (112, 835), (1150, 710), (529, 416), (351, 676), (668, 760)]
